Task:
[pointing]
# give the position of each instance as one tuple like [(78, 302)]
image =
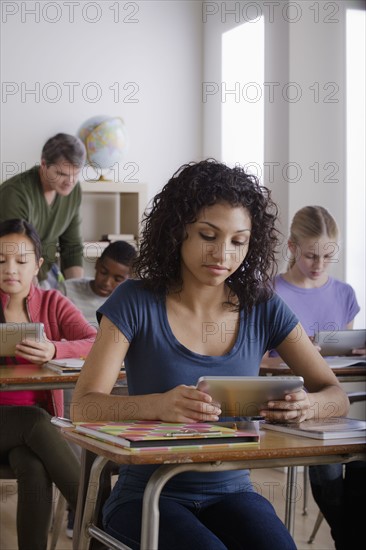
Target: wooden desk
[(274, 366), (36, 377), (275, 449)]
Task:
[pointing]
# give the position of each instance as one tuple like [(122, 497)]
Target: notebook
[(144, 435), (326, 428)]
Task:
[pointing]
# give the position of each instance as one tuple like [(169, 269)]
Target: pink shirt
[(68, 330)]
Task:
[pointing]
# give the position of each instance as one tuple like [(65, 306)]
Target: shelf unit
[(110, 207)]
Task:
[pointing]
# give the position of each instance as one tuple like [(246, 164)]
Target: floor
[(271, 483)]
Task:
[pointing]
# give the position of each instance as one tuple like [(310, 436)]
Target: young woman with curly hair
[(202, 305)]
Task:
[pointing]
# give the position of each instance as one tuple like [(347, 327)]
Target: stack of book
[(127, 237), (94, 249), (137, 436), (325, 428), (65, 366)]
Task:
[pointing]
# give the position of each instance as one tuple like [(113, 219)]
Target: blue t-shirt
[(156, 362)]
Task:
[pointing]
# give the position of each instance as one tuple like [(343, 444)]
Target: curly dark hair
[(194, 186)]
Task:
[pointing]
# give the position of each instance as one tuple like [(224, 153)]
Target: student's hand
[(294, 408), (36, 352), (187, 404)]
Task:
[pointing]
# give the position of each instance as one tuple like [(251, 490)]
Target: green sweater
[(58, 224)]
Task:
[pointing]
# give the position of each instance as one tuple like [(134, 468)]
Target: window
[(355, 246), (242, 96)]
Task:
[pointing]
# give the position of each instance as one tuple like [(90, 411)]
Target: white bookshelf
[(110, 207)]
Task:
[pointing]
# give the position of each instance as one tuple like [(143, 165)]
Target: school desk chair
[(354, 397), (6, 472), (104, 489)]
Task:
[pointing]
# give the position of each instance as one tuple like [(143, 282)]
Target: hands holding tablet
[(276, 399), (37, 352), (254, 398), (293, 408), (26, 340), (187, 404)]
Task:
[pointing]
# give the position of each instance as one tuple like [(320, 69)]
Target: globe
[(105, 140)]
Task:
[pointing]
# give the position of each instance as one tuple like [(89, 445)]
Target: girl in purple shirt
[(323, 303)]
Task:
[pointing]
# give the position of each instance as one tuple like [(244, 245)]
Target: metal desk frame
[(150, 512)]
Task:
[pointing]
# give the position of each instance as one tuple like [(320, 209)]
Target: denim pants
[(233, 521), (341, 499), (38, 456)]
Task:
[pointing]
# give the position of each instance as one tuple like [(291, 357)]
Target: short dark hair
[(120, 252), (64, 146), (194, 186), (22, 227)]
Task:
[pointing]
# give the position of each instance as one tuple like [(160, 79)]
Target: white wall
[(305, 126), (164, 52), (150, 48)]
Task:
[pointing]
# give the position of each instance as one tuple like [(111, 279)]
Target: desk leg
[(150, 506), (291, 499), (87, 459), (90, 499)]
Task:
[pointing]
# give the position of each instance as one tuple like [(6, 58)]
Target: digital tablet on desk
[(340, 342), (243, 396), (12, 334)]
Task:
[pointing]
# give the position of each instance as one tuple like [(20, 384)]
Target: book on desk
[(342, 361), (325, 428), (339, 362), (69, 365), (154, 435)]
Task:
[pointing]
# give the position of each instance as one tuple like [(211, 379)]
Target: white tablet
[(243, 396), (340, 342), (13, 333)]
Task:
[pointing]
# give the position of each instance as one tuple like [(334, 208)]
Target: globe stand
[(99, 175), (102, 178)]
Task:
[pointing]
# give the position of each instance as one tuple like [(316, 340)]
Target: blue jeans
[(235, 521), (341, 500)]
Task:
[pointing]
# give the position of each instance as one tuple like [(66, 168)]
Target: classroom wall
[(304, 110), (64, 62), (305, 115), (147, 61)]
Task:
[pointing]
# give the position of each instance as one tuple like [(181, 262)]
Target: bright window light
[(242, 96), (355, 248)]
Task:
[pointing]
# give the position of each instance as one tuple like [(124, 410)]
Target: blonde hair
[(312, 222)]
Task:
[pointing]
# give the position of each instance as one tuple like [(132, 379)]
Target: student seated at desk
[(111, 269), (322, 302), (203, 305), (33, 447), (88, 294)]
